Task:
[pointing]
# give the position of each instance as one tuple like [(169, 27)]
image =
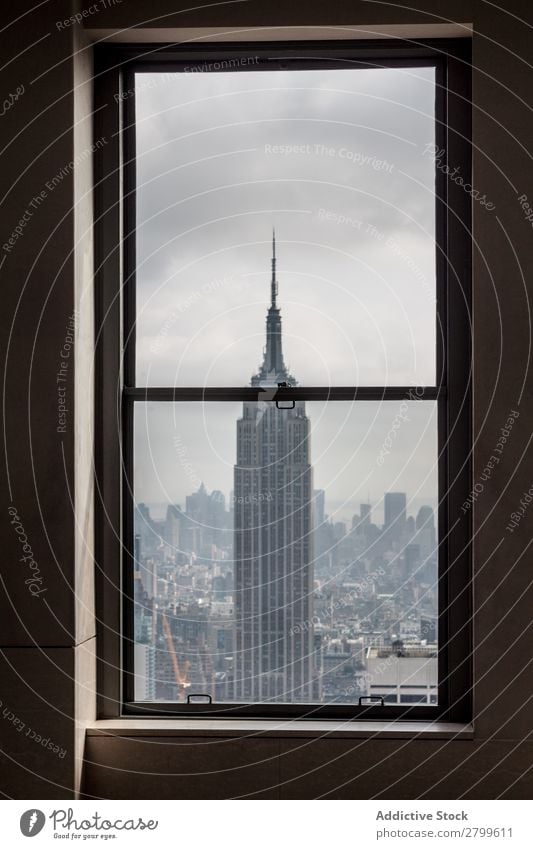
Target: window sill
[(285, 729)]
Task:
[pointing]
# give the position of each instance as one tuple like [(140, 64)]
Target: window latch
[(199, 698), (379, 699), (285, 385)]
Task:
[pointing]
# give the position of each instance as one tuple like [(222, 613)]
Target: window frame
[(116, 393)]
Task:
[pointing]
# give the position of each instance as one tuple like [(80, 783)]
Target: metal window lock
[(199, 698), (371, 699), (285, 385)]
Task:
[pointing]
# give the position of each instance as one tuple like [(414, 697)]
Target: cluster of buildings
[(367, 625)]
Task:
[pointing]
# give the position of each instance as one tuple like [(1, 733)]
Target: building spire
[(274, 283), (273, 368)]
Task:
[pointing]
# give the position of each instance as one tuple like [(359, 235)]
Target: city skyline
[(377, 585)]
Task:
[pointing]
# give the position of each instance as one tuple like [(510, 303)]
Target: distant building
[(207, 521), (323, 532), (403, 674), (366, 514), (412, 560), (395, 509), (273, 539), (144, 661), (173, 523), (149, 531), (428, 629), (395, 524)]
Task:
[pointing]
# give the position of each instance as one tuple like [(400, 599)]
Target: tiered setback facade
[(273, 540)]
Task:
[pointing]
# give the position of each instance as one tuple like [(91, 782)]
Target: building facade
[(273, 539)]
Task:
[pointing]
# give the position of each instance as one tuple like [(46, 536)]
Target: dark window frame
[(116, 393)]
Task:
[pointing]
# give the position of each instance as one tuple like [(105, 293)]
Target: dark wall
[(46, 640), (46, 622)]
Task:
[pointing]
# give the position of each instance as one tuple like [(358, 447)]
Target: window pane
[(340, 162), (286, 555)]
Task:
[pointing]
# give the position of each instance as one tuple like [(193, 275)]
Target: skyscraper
[(395, 516), (366, 514), (273, 538), (395, 508)]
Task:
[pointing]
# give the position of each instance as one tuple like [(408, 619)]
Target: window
[(283, 270)]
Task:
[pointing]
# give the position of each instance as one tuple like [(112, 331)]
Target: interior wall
[(47, 624)]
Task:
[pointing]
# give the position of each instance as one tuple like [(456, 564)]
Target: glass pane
[(341, 163), (286, 555)]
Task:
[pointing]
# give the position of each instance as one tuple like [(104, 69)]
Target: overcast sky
[(335, 161)]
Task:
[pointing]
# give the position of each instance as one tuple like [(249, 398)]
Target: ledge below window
[(287, 729)]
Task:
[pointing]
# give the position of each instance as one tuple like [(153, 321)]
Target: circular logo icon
[(32, 822)]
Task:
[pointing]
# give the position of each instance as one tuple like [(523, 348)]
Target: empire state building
[(273, 544)]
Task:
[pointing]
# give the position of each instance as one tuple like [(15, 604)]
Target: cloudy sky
[(335, 161)]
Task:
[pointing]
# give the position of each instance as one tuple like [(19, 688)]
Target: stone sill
[(398, 730)]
